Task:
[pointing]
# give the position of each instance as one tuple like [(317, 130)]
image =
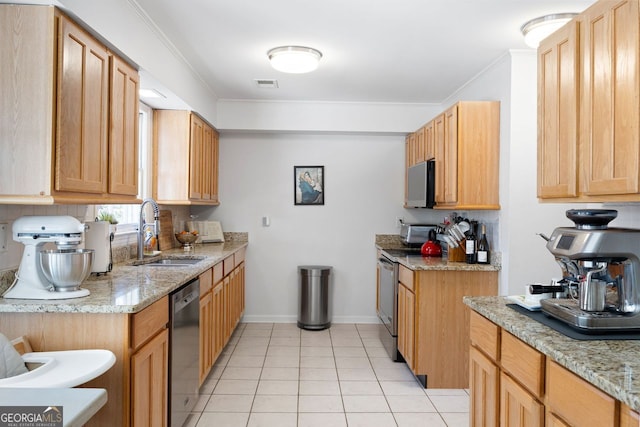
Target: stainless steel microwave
[(421, 185)]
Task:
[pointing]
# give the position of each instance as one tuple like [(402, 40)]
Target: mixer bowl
[(66, 269)]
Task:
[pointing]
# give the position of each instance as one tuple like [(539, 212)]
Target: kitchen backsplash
[(124, 244)]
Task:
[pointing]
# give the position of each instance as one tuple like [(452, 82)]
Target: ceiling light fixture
[(538, 29), (294, 59)]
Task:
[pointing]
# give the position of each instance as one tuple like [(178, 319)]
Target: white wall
[(363, 194)]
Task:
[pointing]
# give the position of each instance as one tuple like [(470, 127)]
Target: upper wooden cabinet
[(186, 159), (465, 143), (467, 153), (558, 114), (605, 79), (72, 124)]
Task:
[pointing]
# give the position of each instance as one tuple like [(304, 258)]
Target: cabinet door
[(419, 146), (149, 382), (517, 407), (440, 156), (406, 324), (429, 141), (215, 165), (207, 336), (196, 155), (218, 319), (484, 379), (123, 128), (207, 161), (82, 111), (451, 155), (558, 71), (610, 118)]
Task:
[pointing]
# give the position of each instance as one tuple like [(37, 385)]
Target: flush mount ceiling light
[(537, 29), (294, 59)]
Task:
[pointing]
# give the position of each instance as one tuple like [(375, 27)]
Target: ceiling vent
[(267, 83)]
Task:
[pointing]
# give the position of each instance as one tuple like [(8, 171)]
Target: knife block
[(457, 254)]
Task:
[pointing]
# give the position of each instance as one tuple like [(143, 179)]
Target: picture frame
[(308, 185)]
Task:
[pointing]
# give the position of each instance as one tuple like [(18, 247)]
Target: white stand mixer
[(34, 232)]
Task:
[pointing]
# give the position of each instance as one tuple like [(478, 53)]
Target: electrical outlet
[(399, 220)]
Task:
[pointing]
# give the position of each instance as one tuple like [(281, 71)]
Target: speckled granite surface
[(129, 288), (612, 366), (418, 262)]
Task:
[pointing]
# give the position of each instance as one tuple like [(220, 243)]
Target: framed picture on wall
[(308, 185)]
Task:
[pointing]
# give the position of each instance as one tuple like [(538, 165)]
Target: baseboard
[(256, 318)]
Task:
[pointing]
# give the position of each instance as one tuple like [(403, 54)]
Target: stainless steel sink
[(172, 262)]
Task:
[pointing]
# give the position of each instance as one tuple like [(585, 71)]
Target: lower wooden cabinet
[(518, 408), (433, 328), (533, 390), (149, 382), (484, 382), (221, 307)]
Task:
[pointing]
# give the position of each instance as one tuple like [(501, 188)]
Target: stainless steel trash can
[(314, 304)]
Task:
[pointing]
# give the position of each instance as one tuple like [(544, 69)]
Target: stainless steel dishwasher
[(185, 349)]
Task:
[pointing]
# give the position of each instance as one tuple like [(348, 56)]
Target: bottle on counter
[(470, 246), (483, 246)]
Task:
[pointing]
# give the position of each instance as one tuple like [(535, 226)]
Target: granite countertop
[(612, 366), (129, 288), (418, 262)]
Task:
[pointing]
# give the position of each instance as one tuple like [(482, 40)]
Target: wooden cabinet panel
[(517, 407), (524, 363), (196, 158), (442, 324), (558, 106), (218, 319), (553, 421), (206, 281), (450, 161), (123, 128), (405, 276), (439, 148), (577, 402), (149, 382), (82, 111), (429, 141), (485, 335), (610, 119), (484, 380)]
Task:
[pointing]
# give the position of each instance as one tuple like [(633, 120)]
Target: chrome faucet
[(143, 224)]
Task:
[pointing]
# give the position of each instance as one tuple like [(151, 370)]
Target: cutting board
[(166, 239)]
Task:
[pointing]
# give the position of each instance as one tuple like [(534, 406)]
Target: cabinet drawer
[(523, 362), (485, 335), (149, 321), (406, 277), (229, 265), (218, 272), (206, 282), (239, 256), (576, 401)]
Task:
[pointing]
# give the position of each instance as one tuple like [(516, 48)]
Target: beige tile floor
[(277, 375)]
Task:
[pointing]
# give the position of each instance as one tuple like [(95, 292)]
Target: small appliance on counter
[(600, 291), (98, 236), (415, 235), (50, 274)]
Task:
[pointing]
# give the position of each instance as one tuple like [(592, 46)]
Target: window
[(128, 215)]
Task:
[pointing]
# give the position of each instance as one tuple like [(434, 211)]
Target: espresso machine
[(599, 290)]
